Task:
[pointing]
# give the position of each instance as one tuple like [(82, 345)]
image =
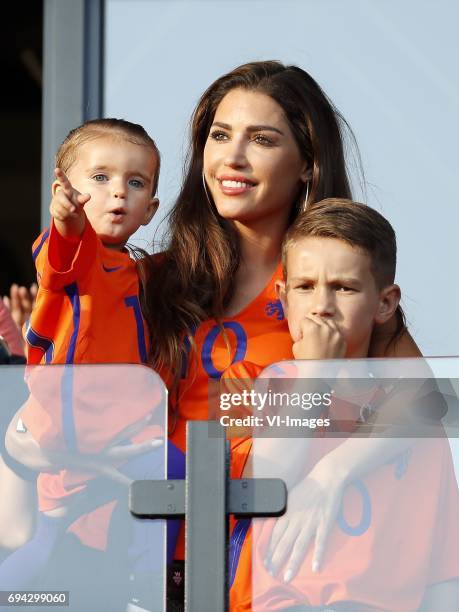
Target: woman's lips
[(235, 186)]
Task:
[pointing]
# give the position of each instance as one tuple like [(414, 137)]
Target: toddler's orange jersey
[(87, 308), (87, 312)]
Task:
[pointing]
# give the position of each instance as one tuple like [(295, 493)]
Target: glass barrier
[(364, 447), (76, 437)]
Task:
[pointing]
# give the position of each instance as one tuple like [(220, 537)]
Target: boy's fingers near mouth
[(322, 321), (325, 322), (310, 322), (313, 322)]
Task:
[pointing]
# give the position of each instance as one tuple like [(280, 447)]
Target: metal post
[(206, 523), (206, 498), (72, 76)]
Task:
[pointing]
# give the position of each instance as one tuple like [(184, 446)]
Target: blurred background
[(389, 67), (20, 156)]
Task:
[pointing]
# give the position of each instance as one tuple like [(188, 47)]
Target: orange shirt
[(394, 536), (87, 308), (258, 333), (87, 312)]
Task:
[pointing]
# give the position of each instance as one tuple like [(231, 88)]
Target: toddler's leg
[(23, 565)]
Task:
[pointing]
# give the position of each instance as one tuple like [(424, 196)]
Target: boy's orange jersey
[(393, 537)]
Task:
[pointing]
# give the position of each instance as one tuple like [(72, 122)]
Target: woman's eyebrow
[(264, 128), (250, 128)]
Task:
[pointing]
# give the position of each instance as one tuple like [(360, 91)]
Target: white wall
[(389, 66)]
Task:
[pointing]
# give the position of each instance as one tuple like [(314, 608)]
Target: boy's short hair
[(356, 224), (91, 130)]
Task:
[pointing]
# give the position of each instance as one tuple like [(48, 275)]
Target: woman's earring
[(305, 202)]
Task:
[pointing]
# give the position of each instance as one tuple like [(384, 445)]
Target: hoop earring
[(204, 184), (305, 201)]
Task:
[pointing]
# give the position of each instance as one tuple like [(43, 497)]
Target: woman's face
[(252, 164)]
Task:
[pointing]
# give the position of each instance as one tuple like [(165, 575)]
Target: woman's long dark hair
[(193, 279)]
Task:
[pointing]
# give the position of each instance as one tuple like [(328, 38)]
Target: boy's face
[(329, 278), (119, 176)]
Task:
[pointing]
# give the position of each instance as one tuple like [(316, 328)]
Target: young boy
[(87, 311), (339, 262), (339, 269), (87, 308)]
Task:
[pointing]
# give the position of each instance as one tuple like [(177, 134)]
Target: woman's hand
[(312, 508)]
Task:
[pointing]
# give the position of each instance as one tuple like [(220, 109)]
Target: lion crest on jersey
[(274, 309)]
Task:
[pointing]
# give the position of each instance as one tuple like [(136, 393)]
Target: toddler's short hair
[(96, 128)]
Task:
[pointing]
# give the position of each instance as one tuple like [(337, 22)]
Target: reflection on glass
[(88, 432), (373, 498)]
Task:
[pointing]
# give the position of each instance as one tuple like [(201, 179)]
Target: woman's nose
[(235, 154)]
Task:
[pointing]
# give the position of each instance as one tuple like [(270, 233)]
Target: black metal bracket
[(247, 498)]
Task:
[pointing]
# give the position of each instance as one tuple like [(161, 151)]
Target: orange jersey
[(87, 312), (394, 536), (87, 308), (397, 526), (258, 334)]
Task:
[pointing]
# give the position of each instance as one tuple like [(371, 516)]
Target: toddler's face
[(331, 279), (119, 176)]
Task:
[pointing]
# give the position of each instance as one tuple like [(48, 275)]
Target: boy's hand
[(320, 339), (67, 205)]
